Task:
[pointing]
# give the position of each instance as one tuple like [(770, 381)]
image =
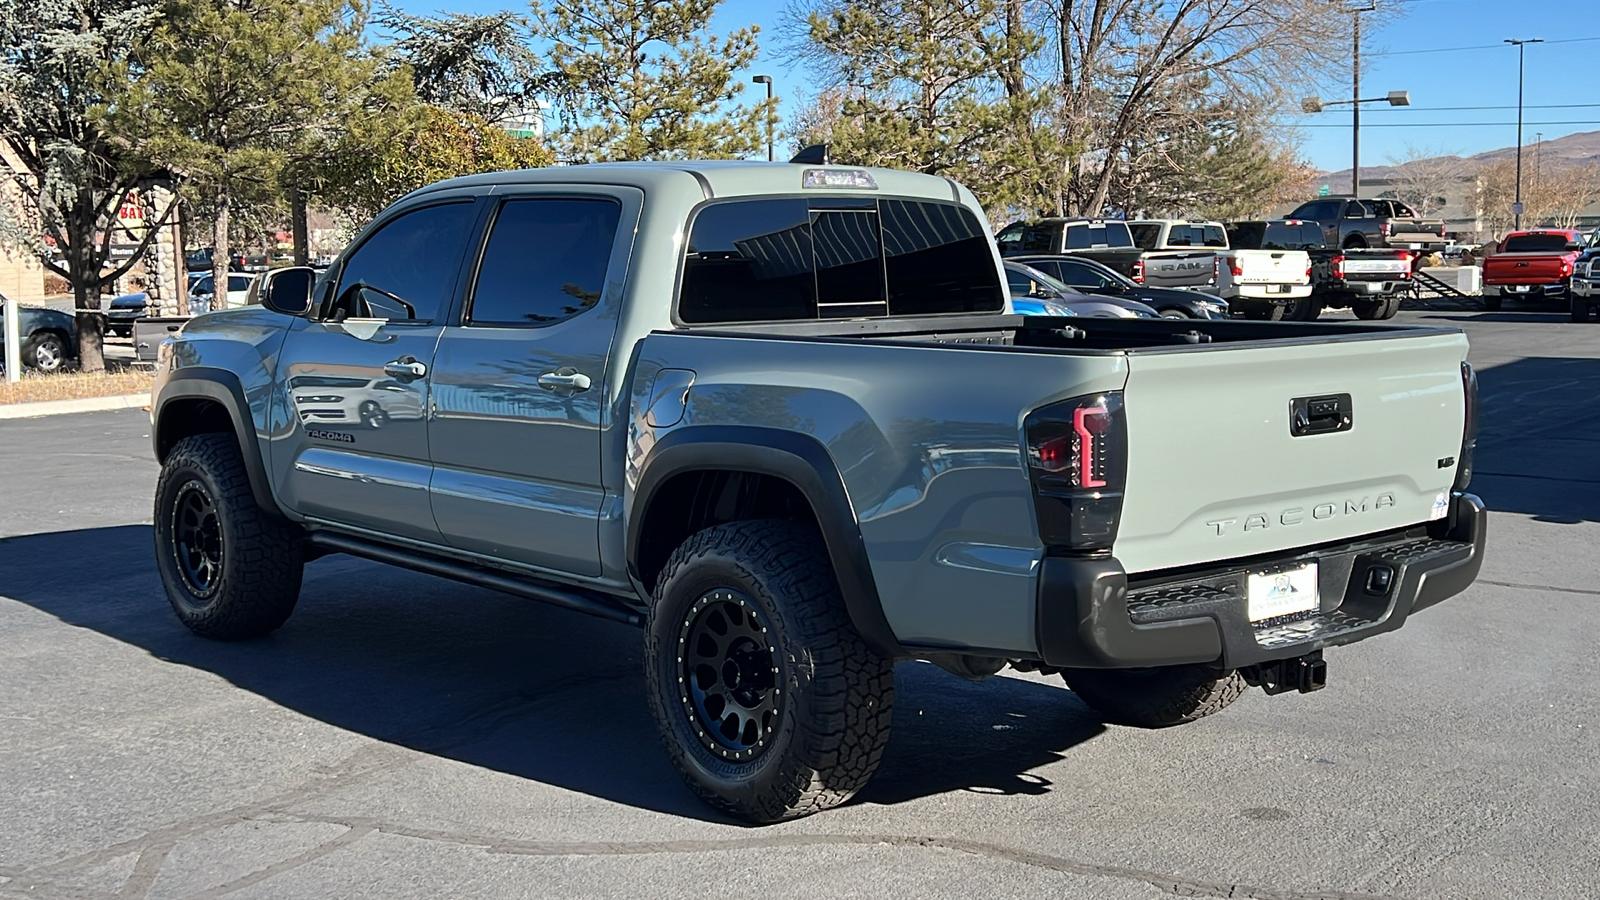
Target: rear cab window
[(1535, 243), (780, 259)]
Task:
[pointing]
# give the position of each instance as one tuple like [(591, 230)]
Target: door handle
[(570, 380), (405, 368)]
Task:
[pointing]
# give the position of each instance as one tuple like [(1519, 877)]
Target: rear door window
[(1213, 236), (545, 261), (1040, 237)]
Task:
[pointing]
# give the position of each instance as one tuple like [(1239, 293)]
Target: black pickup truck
[(1369, 282), (1106, 241)]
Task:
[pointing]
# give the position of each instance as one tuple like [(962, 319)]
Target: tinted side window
[(407, 268), (1076, 274), (1041, 237), (1146, 235), (938, 260), (1078, 237), (1319, 209), (750, 261), (1245, 235), (546, 261)]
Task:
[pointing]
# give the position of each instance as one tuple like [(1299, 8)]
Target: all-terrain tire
[(830, 716), (1391, 305), (1368, 309), (1305, 309), (1156, 698), (231, 569)]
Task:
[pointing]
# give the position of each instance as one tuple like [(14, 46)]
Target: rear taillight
[(1308, 270), (1216, 268), (1338, 266), (1385, 227), (1235, 268), (1138, 271), (1411, 261), (1566, 268), (1077, 462), (1469, 430)]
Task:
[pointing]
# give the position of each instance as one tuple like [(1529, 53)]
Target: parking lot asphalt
[(404, 736)]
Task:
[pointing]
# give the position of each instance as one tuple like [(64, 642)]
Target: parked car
[(1029, 284), (121, 311), (1532, 265), (202, 300), (794, 469), (1586, 284), (1350, 223), (1178, 253), (49, 338), (1090, 277), (1369, 282)]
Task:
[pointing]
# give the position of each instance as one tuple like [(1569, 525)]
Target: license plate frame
[(1282, 592)]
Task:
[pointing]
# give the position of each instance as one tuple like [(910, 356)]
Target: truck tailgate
[(1215, 472), (1272, 266), (1523, 268)]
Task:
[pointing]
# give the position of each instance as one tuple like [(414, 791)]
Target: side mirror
[(286, 291)]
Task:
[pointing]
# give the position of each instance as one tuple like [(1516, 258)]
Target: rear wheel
[(1390, 307), (1156, 697), (45, 351), (1305, 309), (231, 569), (768, 702), (1175, 314)]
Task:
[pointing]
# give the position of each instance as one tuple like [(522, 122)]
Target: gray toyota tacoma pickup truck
[(779, 416)]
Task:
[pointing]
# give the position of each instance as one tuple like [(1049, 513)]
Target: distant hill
[(1574, 148)]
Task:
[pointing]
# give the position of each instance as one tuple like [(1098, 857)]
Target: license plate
[(1373, 287), (1278, 288), (1520, 288), (1282, 593)]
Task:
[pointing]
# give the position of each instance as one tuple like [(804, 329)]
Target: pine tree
[(644, 79)]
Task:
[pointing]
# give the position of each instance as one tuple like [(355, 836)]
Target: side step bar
[(577, 599)]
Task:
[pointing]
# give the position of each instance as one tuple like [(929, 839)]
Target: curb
[(59, 407)]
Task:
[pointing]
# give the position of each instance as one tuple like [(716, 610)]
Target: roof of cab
[(717, 178)]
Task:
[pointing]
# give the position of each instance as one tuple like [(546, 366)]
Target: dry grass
[(75, 385)]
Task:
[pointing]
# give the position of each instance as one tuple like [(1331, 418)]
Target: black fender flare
[(224, 388), (801, 460)]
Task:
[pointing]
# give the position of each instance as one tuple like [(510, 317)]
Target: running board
[(577, 599)]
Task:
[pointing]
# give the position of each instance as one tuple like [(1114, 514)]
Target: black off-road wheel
[(1157, 697), (769, 703), (231, 569)]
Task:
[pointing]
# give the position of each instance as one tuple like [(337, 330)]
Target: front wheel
[(768, 702), (1156, 697), (1175, 313), (231, 569)]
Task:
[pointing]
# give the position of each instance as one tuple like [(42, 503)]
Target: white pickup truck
[(1179, 253), (1262, 284)]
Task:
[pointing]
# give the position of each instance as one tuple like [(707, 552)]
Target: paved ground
[(407, 737)]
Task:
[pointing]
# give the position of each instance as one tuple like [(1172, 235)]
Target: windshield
[(1535, 243)]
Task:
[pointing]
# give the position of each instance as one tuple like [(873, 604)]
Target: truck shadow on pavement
[(1539, 438), (510, 684)]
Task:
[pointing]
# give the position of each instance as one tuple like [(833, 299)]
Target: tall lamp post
[(767, 80), (1356, 7), (1317, 104), (1516, 205)]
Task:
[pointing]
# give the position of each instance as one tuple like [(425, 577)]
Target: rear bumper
[(1267, 293), (1090, 616), (1558, 289)]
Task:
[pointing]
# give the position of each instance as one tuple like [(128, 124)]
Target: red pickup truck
[(1531, 264)]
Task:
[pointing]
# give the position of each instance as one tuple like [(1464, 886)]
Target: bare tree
[(1425, 177), (1563, 193)]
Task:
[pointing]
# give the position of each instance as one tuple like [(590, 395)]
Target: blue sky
[(1415, 52)]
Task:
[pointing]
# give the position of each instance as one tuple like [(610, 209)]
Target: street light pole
[(767, 80), (1516, 205), (1355, 109)]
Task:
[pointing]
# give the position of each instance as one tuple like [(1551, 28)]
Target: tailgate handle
[(1319, 415)]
